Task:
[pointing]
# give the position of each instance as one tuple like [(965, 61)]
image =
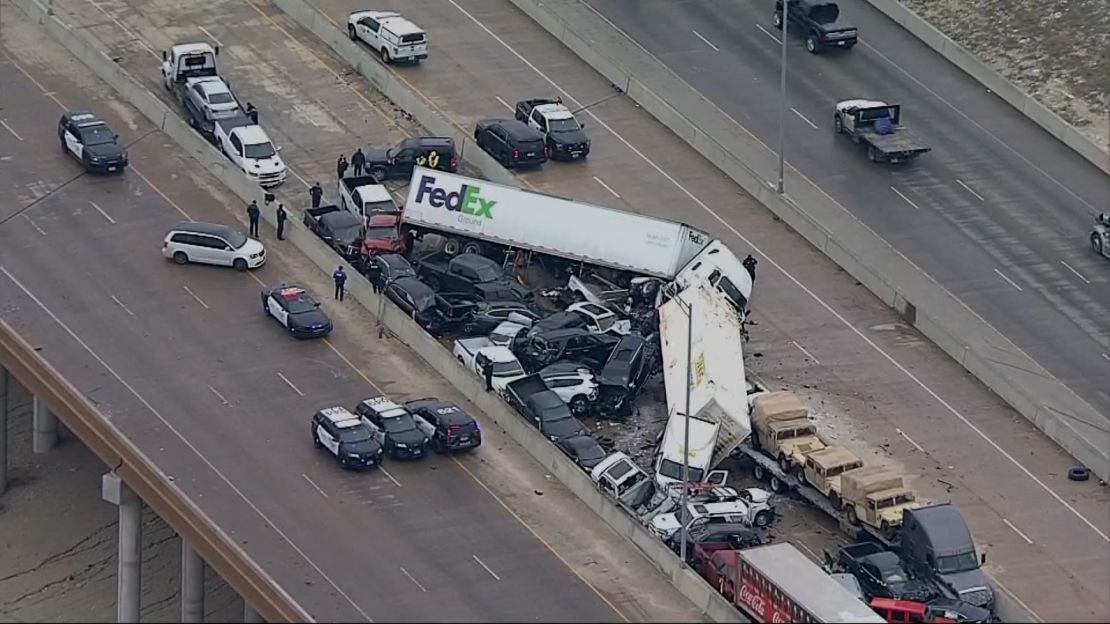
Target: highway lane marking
[(210, 35), (413, 579), (804, 118), (969, 189), (45, 91), (290, 383), (802, 545), (1016, 530), (486, 567), (194, 295), (821, 302), (313, 484), (761, 28), (9, 128), (125, 308), (910, 440), (1014, 597), (386, 473), (188, 444), (961, 113), (171, 202), (707, 42), (219, 396), (33, 224), (126, 30), (807, 353), (102, 213), (1077, 273), (505, 103), (607, 187), (1106, 357), (1010, 281), (906, 199)]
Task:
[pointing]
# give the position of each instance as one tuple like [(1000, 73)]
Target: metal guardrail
[(142, 475)]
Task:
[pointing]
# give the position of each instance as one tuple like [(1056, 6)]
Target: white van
[(212, 243), (668, 463), (393, 37)]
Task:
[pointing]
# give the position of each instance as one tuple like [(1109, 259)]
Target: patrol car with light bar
[(353, 441), (88, 139), (296, 310)]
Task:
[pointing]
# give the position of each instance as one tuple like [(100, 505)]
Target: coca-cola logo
[(752, 598), (779, 618)]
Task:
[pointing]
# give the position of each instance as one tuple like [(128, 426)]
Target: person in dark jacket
[(341, 166), (281, 217), (358, 161), (252, 112), (487, 374), (749, 264), (374, 274), (252, 216), (316, 192), (340, 279)]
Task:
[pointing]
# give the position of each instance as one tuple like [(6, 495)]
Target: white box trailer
[(456, 205), (718, 387)]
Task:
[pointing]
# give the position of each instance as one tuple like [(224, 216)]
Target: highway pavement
[(185, 363), (999, 212), (873, 381)]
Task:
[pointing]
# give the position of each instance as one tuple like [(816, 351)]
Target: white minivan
[(393, 37), (212, 243)]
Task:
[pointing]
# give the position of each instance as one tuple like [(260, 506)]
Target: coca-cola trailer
[(777, 583)]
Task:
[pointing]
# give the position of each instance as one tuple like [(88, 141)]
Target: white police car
[(406, 434), (354, 442), (91, 141), (296, 311)]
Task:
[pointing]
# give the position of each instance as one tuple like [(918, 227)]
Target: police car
[(353, 441), (91, 141), (296, 310), (406, 434)]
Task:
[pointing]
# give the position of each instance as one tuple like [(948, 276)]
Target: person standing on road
[(340, 278), (749, 264), (358, 161), (487, 374), (252, 112), (316, 192), (374, 274), (341, 166), (281, 217), (252, 216)]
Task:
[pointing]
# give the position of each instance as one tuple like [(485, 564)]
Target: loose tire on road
[(1079, 473), (179, 257)]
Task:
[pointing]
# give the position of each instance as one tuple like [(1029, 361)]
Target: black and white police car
[(91, 141), (406, 434), (354, 442), (452, 428), (296, 310)]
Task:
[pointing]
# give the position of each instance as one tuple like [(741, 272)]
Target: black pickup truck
[(880, 573), (819, 22), (340, 229), (469, 274), (563, 135), (543, 408)]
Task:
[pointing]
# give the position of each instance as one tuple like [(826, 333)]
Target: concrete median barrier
[(970, 340), (1098, 154)]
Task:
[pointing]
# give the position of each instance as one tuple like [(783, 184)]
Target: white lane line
[(313, 484), (607, 187), (1010, 281), (125, 308), (505, 103), (290, 384), (33, 224), (126, 30), (9, 128), (794, 280), (906, 199), (1106, 357), (386, 473), (707, 42), (768, 33), (219, 396), (1077, 273), (194, 295), (210, 35), (413, 579), (910, 440), (807, 353), (804, 118), (102, 213), (184, 440), (1013, 596), (809, 550), (482, 563), (1011, 525), (298, 176), (969, 189)]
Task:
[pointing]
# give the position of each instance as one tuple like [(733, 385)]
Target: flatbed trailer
[(861, 120)]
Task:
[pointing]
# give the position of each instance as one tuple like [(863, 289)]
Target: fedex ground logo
[(465, 198)]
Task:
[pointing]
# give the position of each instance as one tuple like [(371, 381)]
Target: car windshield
[(562, 125), (423, 299), (732, 292), (590, 452), (673, 470), (97, 135), (957, 563), (894, 576), (381, 232), (220, 98), (259, 151), (225, 114), (236, 239), (398, 424), (298, 302), (507, 369), (487, 273), (354, 435), (348, 232)]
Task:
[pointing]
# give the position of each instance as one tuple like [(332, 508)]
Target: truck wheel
[(872, 154), (385, 56), (579, 404), (758, 473), (776, 19), (452, 246), (1096, 243), (784, 463), (351, 32), (886, 530), (834, 500), (777, 486), (838, 124), (472, 248), (316, 440), (763, 519), (853, 516), (812, 45), (378, 173), (180, 258)]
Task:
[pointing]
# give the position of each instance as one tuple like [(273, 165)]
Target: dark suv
[(455, 430), (544, 347), (820, 23), (512, 143), (398, 162), (351, 440)]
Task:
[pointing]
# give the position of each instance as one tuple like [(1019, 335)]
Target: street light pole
[(782, 96), (688, 308)]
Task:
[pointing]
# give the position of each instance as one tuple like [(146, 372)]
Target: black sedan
[(714, 536), (296, 310), (91, 141), (584, 450), (490, 314)]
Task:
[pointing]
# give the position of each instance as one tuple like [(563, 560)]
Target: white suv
[(393, 37), (212, 243)]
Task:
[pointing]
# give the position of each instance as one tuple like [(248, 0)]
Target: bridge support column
[(250, 616), (3, 429), (192, 584), (45, 434), (129, 577)]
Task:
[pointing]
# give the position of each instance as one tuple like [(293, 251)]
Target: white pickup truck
[(246, 144), (475, 353), (365, 196)]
